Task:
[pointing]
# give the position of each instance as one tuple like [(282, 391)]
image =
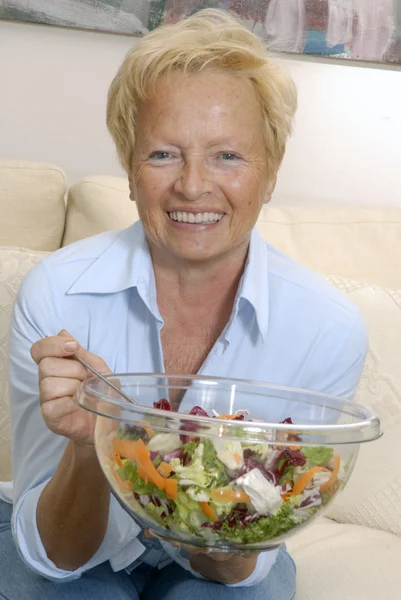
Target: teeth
[(185, 217)]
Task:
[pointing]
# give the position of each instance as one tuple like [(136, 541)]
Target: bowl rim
[(366, 428)]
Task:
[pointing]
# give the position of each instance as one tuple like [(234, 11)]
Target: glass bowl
[(263, 465)]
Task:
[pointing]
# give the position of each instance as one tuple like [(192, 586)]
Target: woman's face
[(199, 174)]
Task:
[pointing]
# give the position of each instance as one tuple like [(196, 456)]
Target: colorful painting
[(367, 30)]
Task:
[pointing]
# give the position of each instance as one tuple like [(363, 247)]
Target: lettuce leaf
[(213, 466), (318, 455), (264, 528)]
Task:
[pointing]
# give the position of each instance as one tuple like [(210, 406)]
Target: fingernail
[(70, 346)]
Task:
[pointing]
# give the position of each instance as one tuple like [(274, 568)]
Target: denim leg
[(17, 582), (174, 583)]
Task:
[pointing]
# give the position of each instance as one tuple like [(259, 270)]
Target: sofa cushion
[(357, 242), (346, 562), (373, 494), (32, 204), (14, 264), (97, 204)]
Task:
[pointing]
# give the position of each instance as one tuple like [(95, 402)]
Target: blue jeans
[(17, 582)]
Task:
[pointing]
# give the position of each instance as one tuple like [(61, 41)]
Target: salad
[(219, 490)]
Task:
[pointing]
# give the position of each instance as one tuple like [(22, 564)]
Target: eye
[(160, 155), (229, 156)]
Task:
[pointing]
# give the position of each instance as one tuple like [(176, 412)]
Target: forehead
[(211, 104)]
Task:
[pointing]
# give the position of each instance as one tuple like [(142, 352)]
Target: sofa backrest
[(32, 204), (357, 242)]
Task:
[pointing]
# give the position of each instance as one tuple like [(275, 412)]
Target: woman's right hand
[(59, 378)]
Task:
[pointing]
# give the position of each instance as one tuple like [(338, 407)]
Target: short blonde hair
[(210, 39)]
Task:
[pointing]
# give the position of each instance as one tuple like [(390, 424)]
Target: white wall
[(53, 86)]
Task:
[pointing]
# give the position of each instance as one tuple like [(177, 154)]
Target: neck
[(213, 283)]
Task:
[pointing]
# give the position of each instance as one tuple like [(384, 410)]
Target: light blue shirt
[(288, 326)]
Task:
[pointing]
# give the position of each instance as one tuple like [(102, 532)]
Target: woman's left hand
[(224, 567)]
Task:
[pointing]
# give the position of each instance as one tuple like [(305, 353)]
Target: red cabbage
[(199, 411), (162, 404), (175, 454)]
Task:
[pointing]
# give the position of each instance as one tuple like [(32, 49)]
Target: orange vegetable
[(117, 459), (143, 460), (326, 486), (164, 469), (223, 495), (303, 481), (142, 473), (148, 430), (125, 448), (208, 511), (228, 417), (171, 488)]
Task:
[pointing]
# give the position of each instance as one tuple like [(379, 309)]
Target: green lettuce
[(188, 512), (265, 528), (213, 466), (288, 475), (318, 455), (195, 471)]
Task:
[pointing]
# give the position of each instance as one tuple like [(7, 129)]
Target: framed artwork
[(368, 30)]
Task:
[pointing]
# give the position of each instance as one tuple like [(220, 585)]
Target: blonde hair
[(210, 39)]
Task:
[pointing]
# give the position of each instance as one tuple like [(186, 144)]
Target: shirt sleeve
[(344, 371), (36, 450)]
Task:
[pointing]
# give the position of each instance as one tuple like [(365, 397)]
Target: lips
[(201, 218)]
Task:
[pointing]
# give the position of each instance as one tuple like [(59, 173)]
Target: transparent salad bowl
[(236, 466)]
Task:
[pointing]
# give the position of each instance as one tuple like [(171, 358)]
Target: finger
[(92, 359), (52, 388), (58, 409), (148, 533), (64, 345), (61, 367), (55, 346)]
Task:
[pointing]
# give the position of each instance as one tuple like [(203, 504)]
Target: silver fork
[(104, 379)]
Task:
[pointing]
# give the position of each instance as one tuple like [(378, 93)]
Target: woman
[(200, 116)]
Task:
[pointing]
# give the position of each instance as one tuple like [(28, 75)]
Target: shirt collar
[(126, 263)]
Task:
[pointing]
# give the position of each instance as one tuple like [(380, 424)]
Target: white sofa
[(354, 553)]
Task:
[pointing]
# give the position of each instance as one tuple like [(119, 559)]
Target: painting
[(368, 30)]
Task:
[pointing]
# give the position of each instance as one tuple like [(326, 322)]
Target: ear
[(270, 188)]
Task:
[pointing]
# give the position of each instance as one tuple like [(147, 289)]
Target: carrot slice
[(171, 488), (208, 511), (148, 430), (164, 469), (222, 495), (143, 474), (303, 481), (125, 448), (143, 459), (333, 477), (228, 417)]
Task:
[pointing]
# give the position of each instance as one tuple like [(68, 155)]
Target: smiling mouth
[(204, 218)]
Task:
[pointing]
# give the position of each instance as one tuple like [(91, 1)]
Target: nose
[(193, 181)]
